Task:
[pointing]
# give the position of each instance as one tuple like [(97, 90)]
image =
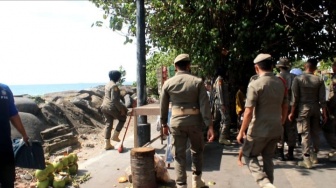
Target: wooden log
[(142, 167)]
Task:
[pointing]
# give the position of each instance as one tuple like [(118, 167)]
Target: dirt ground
[(91, 145)]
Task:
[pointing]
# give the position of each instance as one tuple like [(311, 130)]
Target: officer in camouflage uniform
[(308, 96), (190, 113), (221, 112), (290, 132), (113, 108), (329, 129)]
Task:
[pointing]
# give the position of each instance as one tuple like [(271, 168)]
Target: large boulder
[(25, 104), (53, 114), (96, 101), (85, 106), (99, 91), (126, 90), (32, 125), (52, 97)]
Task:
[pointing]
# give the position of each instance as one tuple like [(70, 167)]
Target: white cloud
[(46, 42)]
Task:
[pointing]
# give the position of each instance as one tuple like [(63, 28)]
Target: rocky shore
[(68, 121), (59, 120)]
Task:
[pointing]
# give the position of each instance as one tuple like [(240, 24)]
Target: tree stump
[(142, 167)]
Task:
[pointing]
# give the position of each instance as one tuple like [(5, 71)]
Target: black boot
[(280, 154), (290, 154)]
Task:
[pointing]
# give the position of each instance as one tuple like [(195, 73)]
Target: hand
[(290, 117), (240, 137), (325, 118), (211, 134), (26, 140), (130, 113), (223, 108), (165, 129)]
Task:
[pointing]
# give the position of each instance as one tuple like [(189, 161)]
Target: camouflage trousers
[(110, 115), (224, 120), (290, 134)]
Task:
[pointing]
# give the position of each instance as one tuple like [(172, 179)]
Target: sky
[(52, 42)]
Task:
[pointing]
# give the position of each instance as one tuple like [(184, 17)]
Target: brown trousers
[(180, 137), (264, 146), (308, 125)]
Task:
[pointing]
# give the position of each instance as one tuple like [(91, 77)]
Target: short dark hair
[(284, 68), (312, 62), (114, 75), (266, 65), (182, 65)]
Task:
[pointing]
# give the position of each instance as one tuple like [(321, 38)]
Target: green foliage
[(298, 64), (203, 28), (327, 81), (325, 65), (156, 61), (123, 74)]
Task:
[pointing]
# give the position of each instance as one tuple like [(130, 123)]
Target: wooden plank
[(149, 109)]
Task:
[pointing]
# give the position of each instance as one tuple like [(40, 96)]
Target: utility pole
[(143, 127)]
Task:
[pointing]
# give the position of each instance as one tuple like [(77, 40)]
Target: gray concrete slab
[(220, 166)]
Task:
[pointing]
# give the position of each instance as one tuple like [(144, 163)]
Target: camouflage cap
[(283, 62), (262, 57), (182, 57)]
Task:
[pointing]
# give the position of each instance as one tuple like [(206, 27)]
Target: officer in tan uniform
[(221, 111), (190, 113), (290, 132), (308, 96), (265, 112), (330, 128), (113, 108)]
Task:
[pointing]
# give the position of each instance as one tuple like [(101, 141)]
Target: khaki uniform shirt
[(308, 89), (266, 95), (112, 97), (332, 86), (187, 91)]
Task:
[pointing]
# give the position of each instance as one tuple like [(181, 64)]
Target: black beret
[(114, 75)]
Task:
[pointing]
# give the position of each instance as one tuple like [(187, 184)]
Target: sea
[(41, 89)]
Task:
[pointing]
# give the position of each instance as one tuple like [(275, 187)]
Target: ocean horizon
[(41, 89)]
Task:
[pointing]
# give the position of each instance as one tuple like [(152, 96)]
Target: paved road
[(220, 166)]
